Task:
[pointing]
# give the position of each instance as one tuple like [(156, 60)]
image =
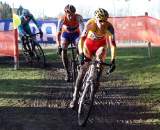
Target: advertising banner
[(142, 28), (7, 43), (136, 28)]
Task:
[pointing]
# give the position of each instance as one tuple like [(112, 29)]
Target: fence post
[(16, 51), (149, 43), (149, 49)]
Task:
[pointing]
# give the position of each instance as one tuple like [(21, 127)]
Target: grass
[(132, 63), (140, 69), (19, 87)]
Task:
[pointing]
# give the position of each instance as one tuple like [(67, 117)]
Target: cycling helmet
[(25, 12), (70, 8), (101, 14)]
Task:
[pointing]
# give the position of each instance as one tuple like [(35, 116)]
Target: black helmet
[(101, 13), (70, 8), (25, 12)]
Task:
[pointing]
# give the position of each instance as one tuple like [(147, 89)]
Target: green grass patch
[(141, 69), (132, 63)]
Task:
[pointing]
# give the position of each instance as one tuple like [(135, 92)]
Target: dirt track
[(118, 106)]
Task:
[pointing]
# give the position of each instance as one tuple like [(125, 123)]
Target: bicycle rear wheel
[(74, 71), (26, 51), (39, 57), (85, 103)]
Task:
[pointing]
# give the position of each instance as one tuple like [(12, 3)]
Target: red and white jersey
[(75, 23)]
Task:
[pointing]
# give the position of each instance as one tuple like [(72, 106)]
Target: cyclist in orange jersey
[(98, 33), (68, 30)]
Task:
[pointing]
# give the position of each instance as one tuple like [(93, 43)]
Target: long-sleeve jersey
[(24, 27), (76, 24)]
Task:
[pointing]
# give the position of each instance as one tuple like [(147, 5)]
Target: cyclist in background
[(68, 30), (98, 33), (24, 27)]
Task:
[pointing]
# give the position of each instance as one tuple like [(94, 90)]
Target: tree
[(5, 10), (19, 10)]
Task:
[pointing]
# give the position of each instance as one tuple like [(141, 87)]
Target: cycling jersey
[(65, 25), (67, 38), (93, 45), (24, 27), (95, 38), (70, 29)]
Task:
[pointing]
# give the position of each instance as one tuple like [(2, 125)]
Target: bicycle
[(32, 51), (73, 62), (89, 87)]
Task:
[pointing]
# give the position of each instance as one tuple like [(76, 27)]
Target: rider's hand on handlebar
[(59, 51), (69, 28), (112, 66), (24, 36), (41, 33), (81, 58)]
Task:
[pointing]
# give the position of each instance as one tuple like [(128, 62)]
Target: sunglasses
[(102, 21), (68, 12), (26, 17)]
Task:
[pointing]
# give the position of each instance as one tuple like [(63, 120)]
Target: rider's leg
[(79, 79), (34, 42), (65, 39), (65, 60), (78, 84), (81, 73), (100, 56), (23, 40), (27, 45)]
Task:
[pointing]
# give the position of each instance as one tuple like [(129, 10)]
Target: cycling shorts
[(70, 37), (93, 45)]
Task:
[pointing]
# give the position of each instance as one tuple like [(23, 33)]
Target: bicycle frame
[(89, 89), (30, 40), (32, 51), (73, 49)]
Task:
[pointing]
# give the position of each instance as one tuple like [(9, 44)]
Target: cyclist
[(68, 30), (24, 27), (98, 33)]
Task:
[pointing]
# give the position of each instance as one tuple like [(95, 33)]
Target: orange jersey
[(94, 33), (63, 23), (95, 37), (93, 45)]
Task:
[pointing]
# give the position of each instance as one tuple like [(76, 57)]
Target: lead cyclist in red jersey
[(68, 30), (96, 36)]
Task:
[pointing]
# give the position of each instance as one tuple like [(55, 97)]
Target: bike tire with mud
[(85, 103), (39, 57)]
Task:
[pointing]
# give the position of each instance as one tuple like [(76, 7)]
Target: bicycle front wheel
[(39, 57), (74, 71), (85, 103), (26, 51)]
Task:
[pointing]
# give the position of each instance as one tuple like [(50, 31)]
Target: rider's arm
[(21, 31), (80, 19), (58, 41), (112, 42), (83, 36), (81, 42), (59, 29), (35, 22)]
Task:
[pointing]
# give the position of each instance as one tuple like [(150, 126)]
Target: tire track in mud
[(118, 106)]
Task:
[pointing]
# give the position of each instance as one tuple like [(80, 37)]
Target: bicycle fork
[(89, 79)]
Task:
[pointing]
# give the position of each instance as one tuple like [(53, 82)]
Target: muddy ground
[(118, 106)]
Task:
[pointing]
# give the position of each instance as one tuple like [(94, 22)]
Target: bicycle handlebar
[(100, 62), (35, 34), (103, 63), (72, 47), (32, 35)]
